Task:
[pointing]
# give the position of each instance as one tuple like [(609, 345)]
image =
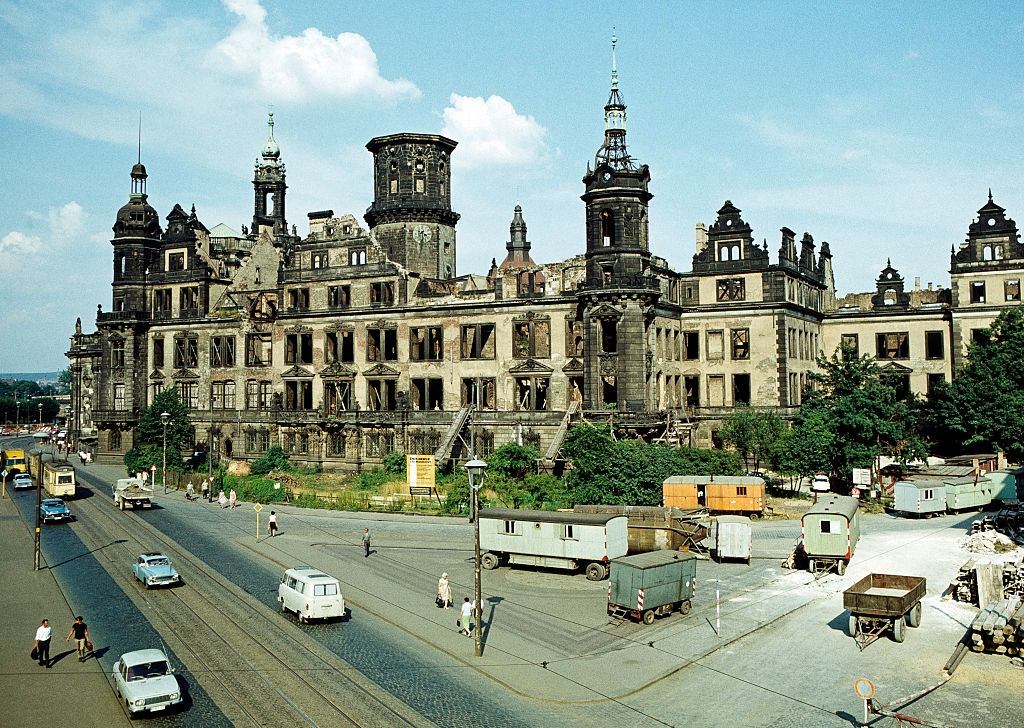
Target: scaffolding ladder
[(454, 429)]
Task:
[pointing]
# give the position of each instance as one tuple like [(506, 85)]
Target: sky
[(876, 127)]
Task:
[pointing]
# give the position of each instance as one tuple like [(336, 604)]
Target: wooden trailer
[(739, 495), (830, 530)]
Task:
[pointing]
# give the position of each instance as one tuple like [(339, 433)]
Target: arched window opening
[(607, 228), (889, 297), (986, 252)]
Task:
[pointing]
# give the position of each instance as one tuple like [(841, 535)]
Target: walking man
[(43, 635), (81, 633), (366, 542), (272, 524), (466, 617), (190, 491), (206, 490)]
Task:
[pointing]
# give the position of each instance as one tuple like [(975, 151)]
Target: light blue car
[(145, 681), (154, 569), (54, 509)]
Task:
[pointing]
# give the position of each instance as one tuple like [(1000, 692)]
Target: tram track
[(259, 668)]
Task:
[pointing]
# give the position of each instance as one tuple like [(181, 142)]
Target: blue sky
[(878, 128)]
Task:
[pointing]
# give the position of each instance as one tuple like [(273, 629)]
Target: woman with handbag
[(444, 592)]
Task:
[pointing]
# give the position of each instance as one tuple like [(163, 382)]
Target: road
[(551, 658)]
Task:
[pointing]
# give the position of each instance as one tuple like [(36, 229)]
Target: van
[(310, 594)]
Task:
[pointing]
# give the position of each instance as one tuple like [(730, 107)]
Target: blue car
[(154, 569), (54, 509)]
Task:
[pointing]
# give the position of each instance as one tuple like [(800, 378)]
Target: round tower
[(411, 216)]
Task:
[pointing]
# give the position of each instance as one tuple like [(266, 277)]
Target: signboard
[(862, 476), (258, 507), (420, 471)]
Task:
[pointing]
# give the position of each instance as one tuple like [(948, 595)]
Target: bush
[(513, 461), (259, 490), (394, 463), (273, 459), (143, 457)]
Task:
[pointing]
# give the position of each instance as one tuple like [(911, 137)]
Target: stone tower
[(136, 246), (618, 292), (269, 186), (411, 216)]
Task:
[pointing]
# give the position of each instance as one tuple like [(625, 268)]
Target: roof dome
[(138, 170), (270, 149)]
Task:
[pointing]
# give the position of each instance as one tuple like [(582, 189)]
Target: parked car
[(23, 480), (310, 594), (154, 569), (54, 509), (145, 681), (820, 484)]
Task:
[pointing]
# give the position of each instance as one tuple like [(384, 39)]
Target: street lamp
[(476, 469), (40, 414), (165, 418)]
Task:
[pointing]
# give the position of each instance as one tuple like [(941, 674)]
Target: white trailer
[(733, 538), (131, 492), (553, 539)]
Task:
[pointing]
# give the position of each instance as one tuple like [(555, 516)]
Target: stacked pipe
[(999, 628)]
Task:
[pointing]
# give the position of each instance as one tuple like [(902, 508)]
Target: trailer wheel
[(811, 565), (898, 630), (853, 625), (684, 606), (914, 617), (754, 516), (841, 567), (489, 561), (596, 571), (648, 617)]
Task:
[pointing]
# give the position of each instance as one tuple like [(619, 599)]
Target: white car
[(145, 681), (820, 484), (22, 480)]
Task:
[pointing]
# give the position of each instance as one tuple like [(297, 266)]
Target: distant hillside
[(31, 376)]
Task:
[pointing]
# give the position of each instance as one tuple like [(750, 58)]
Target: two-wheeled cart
[(881, 603)]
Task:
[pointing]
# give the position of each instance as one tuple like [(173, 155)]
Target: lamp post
[(165, 418), (476, 469), (40, 414)]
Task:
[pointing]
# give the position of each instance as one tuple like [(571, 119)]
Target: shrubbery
[(273, 459)]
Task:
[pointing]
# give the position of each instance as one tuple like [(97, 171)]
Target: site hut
[(1006, 484), (963, 494), (830, 530), (653, 584), (556, 540), (743, 495), (920, 496), (733, 538)]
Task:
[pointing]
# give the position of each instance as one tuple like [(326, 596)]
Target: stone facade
[(348, 343)]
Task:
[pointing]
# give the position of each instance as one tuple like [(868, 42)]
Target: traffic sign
[(258, 507)]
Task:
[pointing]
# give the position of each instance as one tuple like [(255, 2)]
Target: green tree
[(854, 415), (631, 472), (64, 381), (513, 460), (984, 408), (754, 434), (150, 430), (804, 450), (273, 459)]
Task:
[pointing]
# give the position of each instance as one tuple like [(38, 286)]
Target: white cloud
[(491, 132), (302, 67), (64, 225)]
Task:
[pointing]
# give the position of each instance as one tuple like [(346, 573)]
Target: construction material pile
[(981, 581), (988, 542), (998, 628)]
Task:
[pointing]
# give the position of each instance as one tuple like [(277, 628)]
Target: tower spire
[(615, 68), (613, 151), (139, 160)]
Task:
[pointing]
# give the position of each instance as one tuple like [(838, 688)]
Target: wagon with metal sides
[(829, 533), (881, 603), (654, 584)]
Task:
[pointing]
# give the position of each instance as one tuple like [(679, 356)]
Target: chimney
[(702, 237), (917, 283), (929, 285)]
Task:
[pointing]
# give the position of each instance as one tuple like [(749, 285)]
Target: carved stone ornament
[(297, 372)]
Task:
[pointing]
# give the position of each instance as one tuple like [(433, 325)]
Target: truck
[(654, 584), (59, 480), (131, 492)]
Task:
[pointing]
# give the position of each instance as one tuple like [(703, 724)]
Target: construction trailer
[(1006, 484), (741, 495), (733, 538), (964, 494), (830, 530), (552, 539), (655, 584), (920, 496)]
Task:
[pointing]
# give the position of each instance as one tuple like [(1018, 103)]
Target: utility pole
[(476, 469), (39, 517)]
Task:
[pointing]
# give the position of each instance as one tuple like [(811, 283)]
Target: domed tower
[(269, 185), (618, 290), (136, 245), (411, 216)]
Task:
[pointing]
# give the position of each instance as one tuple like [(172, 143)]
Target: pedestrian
[(43, 635), (444, 591), (80, 630), (233, 498), (222, 499), (206, 490), (272, 524), (190, 491), (366, 542), (466, 617)]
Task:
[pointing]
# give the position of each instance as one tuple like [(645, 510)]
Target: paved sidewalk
[(31, 695)]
